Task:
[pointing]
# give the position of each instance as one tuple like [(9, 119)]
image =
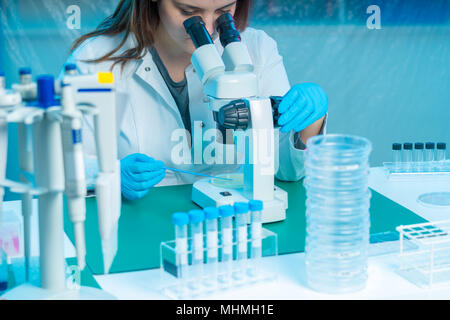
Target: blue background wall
[(388, 85)]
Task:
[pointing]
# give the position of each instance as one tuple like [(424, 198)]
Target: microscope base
[(205, 195), (28, 291)]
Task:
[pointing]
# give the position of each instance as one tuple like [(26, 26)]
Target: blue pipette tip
[(255, 205)]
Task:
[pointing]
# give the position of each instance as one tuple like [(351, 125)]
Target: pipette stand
[(49, 176)]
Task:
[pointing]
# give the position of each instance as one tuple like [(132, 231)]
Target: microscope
[(232, 90)]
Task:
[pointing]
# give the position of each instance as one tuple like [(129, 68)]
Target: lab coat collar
[(149, 73)]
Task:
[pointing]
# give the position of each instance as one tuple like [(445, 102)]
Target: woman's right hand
[(138, 173)]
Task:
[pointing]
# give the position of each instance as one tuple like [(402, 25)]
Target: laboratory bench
[(145, 223)]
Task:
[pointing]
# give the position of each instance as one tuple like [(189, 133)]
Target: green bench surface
[(147, 222)]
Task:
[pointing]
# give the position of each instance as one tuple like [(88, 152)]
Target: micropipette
[(75, 181), (28, 90)]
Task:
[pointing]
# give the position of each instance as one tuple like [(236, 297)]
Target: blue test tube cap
[(241, 207), (46, 91), (429, 145), (2, 73), (396, 146), (255, 205), (196, 216), (407, 146), (226, 211), (418, 145), (70, 66), (180, 218), (441, 146), (24, 71), (211, 213)]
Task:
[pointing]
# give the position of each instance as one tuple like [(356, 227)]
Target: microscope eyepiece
[(195, 28), (227, 29)]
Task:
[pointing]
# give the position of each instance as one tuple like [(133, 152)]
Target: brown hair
[(141, 18)]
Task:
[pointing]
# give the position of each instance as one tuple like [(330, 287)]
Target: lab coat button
[(147, 69)]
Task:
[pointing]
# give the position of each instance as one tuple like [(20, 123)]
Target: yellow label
[(105, 77)]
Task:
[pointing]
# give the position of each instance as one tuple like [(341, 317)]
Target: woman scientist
[(145, 45)]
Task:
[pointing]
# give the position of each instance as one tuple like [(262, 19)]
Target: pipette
[(28, 91), (75, 182), (195, 173)]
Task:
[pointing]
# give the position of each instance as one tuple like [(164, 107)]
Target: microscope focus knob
[(275, 101), (235, 115)]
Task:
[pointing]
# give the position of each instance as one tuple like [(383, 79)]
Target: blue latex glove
[(138, 173), (303, 105)]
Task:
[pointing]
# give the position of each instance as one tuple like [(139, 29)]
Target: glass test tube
[(196, 218), (25, 76), (70, 69), (241, 211), (429, 156), (226, 225), (440, 151), (212, 244), (397, 156), (407, 156), (2, 81), (440, 155), (181, 220), (418, 156), (256, 207)]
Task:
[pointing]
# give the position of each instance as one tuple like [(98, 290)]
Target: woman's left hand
[(303, 105)]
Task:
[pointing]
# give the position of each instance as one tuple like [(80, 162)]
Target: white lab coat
[(149, 118)]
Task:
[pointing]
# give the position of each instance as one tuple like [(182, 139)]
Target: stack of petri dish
[(337, 213)]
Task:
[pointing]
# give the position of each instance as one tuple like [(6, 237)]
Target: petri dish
[(435, 199), (236, 181)]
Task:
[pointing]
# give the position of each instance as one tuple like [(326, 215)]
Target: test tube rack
[(191, 281), (427, 266), (417, 170)]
